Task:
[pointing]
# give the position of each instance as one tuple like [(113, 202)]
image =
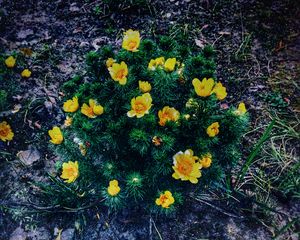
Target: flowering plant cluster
[(8, 86), (145, 126)]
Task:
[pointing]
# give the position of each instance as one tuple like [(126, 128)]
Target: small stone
[(18, 234), (84, 44), (39, 234), (68, 234)]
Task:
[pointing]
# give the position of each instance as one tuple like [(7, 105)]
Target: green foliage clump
[(137, 141)]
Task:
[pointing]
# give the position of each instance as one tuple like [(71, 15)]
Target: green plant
[(243, 52), (131, 136), (276, 101)]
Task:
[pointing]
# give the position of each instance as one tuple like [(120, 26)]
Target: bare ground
[(257, 42)]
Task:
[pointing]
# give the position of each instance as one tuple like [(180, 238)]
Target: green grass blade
[(255, 151)]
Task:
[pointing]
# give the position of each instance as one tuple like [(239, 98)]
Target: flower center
[(163, 199), (140, 108), (120, 74), (71, 172), (4, 132), (90, 111), (166, 115), (132, 44), (185, 167)]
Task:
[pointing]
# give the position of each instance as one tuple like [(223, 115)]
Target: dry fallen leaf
[(199, 43), (98, 42), (26, 51), (224, 33), (29, 156), (224, 106), (17, 108), (37, 125)]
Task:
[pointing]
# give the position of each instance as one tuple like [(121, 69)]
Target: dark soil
[(256, 42)]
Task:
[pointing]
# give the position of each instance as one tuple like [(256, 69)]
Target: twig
[(56, 208), (217, 208), (158, 233), (150, 229)]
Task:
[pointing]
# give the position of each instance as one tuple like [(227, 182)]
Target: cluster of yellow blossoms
[(91, 110), (6, 133), (168, 114), (70, 170), (186, 166), (206, 87), (168, 65), (10, 62)]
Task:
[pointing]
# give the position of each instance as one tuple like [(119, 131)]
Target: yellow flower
[(154, 63), (206, 160), (109, 62), (168, 114), (185, 166), (113, 188), (144, 86), (26, 73), (241, 109), (92, 110), (203, 88), (140, 106), (119, 72), (6, 134), (68, 121), (70, 171), (220, 91), (56, 135), (170, 64), (131, 40), (213, 129), (71, 105), (165, 199), (10, 62)]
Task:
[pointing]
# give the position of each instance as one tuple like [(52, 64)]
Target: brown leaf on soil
[(29, 156), (26, 51), (199, 43), (279, 46), (224, 106), (37, 125)]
